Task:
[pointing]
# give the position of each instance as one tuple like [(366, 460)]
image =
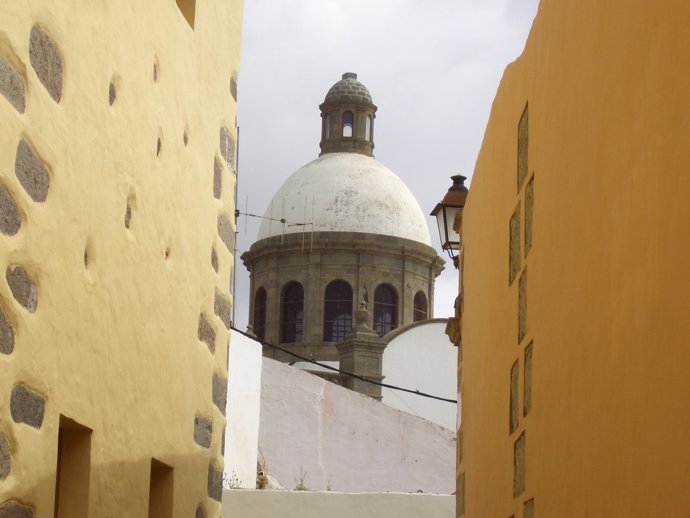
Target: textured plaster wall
[(326, 436), (422, 358), (606, 300), (311, 504), (111, 313), (244, 400)]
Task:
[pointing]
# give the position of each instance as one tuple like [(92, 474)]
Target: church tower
[(347, 118), (342, 238)]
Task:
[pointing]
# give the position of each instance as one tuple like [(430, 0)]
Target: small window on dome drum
[(420, 307), (337, 313), (348, 124), (367, 129), (260, 314), (292, 313), (385, 309), (326, 132)]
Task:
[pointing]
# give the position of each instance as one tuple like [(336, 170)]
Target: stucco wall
[(244, 401), (605, 303), (325, 436), (422, 358), (113, 118), (311, 504)]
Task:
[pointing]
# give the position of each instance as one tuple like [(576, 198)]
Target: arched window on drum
[(337, 312), (385, 309), (348, 124), (420, 311), (259, 324), (292, 313)]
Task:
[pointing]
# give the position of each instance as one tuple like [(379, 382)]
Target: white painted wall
[(347, 442), (244, 399), (310, 504), (422, 358)]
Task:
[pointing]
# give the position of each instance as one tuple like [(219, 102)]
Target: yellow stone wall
[(605, 305), (117, 179)]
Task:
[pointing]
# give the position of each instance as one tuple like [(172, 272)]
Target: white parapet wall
[(320, 436), (420, 357), (244, 397), (315, 504)]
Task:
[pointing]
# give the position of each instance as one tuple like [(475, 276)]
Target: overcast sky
[(432, 67)]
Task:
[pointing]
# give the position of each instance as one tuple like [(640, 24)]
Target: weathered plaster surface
[(326, 436), (105, 244), (345, 192), (422, 358)]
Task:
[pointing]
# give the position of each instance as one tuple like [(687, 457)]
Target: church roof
[(348, 89), (345, 192)]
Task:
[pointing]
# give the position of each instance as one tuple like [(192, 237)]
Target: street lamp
[(446, 214)]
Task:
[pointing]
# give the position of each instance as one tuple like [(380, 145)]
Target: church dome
[(348, 89), (345, 192)]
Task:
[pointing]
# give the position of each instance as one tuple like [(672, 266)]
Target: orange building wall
[(608, 291)]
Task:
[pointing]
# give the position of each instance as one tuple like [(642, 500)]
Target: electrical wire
[(349, 374)]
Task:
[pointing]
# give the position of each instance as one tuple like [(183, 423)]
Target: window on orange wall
[(420, 307), (292, 313), (337, 312), (348, 124), (385, 309), (260, 313)]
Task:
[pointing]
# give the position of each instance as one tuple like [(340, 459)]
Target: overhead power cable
[(349, 374)]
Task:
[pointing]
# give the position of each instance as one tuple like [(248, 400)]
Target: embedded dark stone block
[(528, 509), (233, 87), (112, 94), (523, 146), (522, 306), (217, 178), (12, 509), (223, 309), (32, 174), (203, 431), (214, 259), (514, 379), (226, 232), (128, 215), (199, 513), (527, 387), (26, 406), (5, 457), (529, 208), (215, 483), (222, 445), (519, 466), (220, 392), (6, 334), (10, 218), (514, 245), (23, 287), (206, 333), (12, 85), (227, 147), (47, 61)]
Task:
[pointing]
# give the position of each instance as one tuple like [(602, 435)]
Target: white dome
[(345, 192)]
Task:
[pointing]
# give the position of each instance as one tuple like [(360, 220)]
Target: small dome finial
[(350, 75)]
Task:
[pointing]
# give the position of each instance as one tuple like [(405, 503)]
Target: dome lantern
[(347, 118)]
